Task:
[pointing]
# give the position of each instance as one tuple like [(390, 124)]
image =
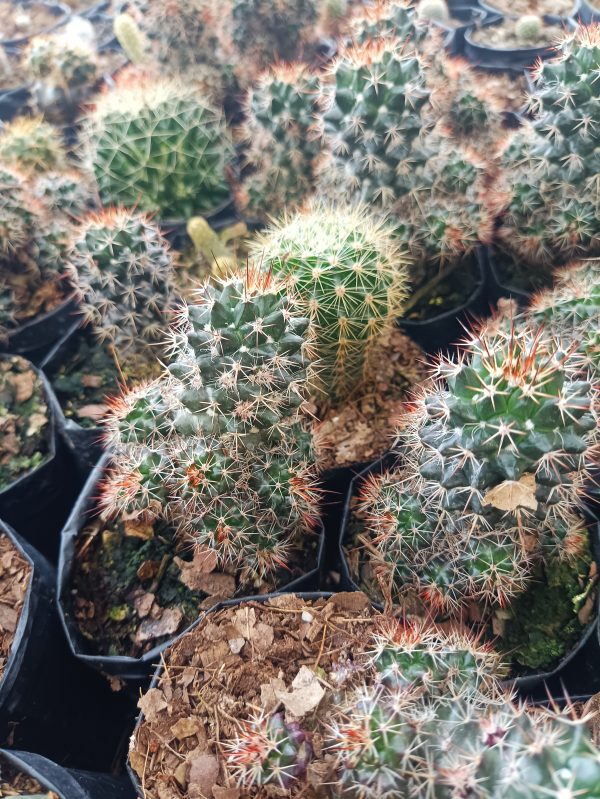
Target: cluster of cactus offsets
[(122, 268), (282, 132), (572, 309), (155, 144), (552, 203), (267, 31), (350, 275), (497, 447), (430, 720), (32, 145), (372, 121), (218, 445)]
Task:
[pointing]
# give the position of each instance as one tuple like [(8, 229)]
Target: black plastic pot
[(443, 330), (94, 10), (521, 58), (469, 17), (569, 673), (61, 12), (550, 18), (588, 12), (497, 288), (13, 102), (85, 443), (306, 595), (68, 784), (38, 502), (129, 669), (36, 338), (175, 230)]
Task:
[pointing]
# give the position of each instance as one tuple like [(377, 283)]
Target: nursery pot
[(588, 12), (37, 503), (34, 339), (446, 328), (550, 18), (498, 287), (94, 10), (60, 12), (67, 783), (509, 58), (566, 675), (305, 595), (468, 16), (131, 670), (13, 102)]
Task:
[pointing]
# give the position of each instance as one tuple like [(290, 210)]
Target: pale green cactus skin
[(131, 38), (436, 10), (156, 145), (350, 278), (32, 145)]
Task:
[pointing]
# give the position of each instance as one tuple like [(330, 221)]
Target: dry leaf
[(236, 645), (151, 703), (244, 620), (91, 381), (167, 624), (354, 601), (142, 604), (95, 412), (213, 583), (268, 694), (226, 793), (138, 529), (513, 494), (184, 728), (306, 695), (204, 771)]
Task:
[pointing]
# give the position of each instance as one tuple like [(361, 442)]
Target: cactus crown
[(218, 443), (282, 133), (122, 268), (436, 10), (64, 192), (59, 62), (529, 27), (385, 19), (350, 278), (32, 145), (154, 144)]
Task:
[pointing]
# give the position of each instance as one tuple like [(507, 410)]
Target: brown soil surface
[(503, 36), (15, 783), (363, 429), (233, 665), (517, 8), (15, 573), (17, 21)]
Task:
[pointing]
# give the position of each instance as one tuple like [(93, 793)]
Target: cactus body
[(348, 273), (131, 38), (154, 144), (529, 27), (436, 10), (32, 145)]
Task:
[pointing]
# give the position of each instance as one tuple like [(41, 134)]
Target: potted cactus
[(558, 10), (548, 191), (216, 453), (482, 517), (27, 18), (338, 700)]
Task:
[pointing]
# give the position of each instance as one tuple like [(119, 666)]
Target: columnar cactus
[(551, 194), (156, 145), (31, 144), (218, 444), (130, 37), (496, 448), (122, 268), (350, 277), (283, 140)]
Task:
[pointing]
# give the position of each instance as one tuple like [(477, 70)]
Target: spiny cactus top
[(58, 62), (17, 212), (283, 137), (218, 444), (551, 171), (572, 309), (122, 267), (32, 145), (388, 19), (155, 144), (65, 193), (372, 119), (350, 276)]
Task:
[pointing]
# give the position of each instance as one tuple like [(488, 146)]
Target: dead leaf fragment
[(306, 695), (91, 381), (513, 494), (204, 770), (268, 694), (151, 703), (95, 412), (186, 727), (167, 624)]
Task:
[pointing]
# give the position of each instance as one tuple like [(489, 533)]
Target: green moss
[(544, 626)]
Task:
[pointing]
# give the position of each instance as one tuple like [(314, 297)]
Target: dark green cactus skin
[(388, 20), (218, 445), (284, 145), (552, 172), (372, 120), (123, 269), (169, 155), (64, 192)]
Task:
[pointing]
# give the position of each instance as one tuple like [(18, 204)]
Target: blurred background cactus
[(436, 10), (32, 145), (351, 279), (155, 144)]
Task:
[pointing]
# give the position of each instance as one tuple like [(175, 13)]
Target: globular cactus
[(219, 444), (155, 144), (529, 28), (122, 268), (550, 194), (436, 10), (572, 310), (496, 451), (17, 213), (384, 19), (267, 31), (282, 134), (350, 276), (130, 37), (65, 192), (31, 144), (372, 118), (217, 249)]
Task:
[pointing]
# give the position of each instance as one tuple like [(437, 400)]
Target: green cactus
[(61, 65), (350, 277), (283, 141), (156, 145), (395, 19), (32, 145), (550, 193), (123, 271), (131, 38), (65, 193), (436, 10), (529, 28), (219, 444)]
